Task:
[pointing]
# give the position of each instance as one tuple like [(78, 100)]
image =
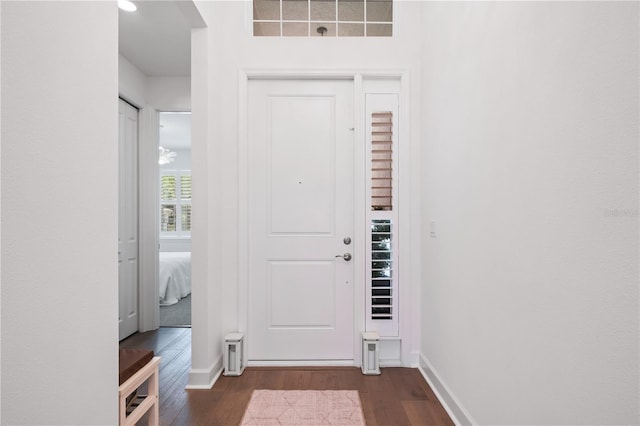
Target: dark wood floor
[(399, 396)]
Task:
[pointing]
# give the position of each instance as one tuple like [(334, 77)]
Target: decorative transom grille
[(323, 18)]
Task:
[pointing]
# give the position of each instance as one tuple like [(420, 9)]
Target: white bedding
[(174, 277)]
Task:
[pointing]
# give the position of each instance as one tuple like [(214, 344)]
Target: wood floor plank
[(156, 340), (418, 413), (399, 396), (407, 383), (173, 401), (173, 372)]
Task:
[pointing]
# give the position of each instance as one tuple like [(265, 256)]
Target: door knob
[(346, 256)]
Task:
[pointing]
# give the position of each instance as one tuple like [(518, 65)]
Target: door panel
[(314, 307), (301, 208), (301, 164)]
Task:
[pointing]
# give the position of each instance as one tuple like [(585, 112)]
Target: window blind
[(175, 202), (381, 160), (382, 217)]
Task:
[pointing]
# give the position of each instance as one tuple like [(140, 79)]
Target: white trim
[(390, 363), (205, 378), (148, 225), (459, 415), (305, 363), (408, 235), (414, 358), (243, 208), (407, 334), (359, 210), (323, 74)]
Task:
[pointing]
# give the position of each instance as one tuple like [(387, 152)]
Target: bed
[(174, 277)]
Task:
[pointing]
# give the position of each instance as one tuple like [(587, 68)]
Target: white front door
[(128, 219), (301, 197)]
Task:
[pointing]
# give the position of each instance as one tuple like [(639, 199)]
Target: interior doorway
[(174, 180)]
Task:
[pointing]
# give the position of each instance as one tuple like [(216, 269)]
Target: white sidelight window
[(383, 288)]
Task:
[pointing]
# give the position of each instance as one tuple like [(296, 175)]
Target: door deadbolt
[(346, 256), (346, 241)]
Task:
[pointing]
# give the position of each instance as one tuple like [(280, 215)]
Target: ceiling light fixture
[(127, 5), (166, 156)]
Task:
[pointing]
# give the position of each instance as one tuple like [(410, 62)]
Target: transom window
[(323, 18)]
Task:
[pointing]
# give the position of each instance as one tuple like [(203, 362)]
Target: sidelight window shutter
[(381, 160), (383, 283)]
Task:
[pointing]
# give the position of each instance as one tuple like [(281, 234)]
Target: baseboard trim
[(414, 359), (294, 363), (205, 378), (451, 404), (390, 363)]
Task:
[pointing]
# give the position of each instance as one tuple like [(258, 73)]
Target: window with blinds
[(381, 160), (382, 271), (175, 203)]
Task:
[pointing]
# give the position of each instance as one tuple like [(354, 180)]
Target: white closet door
[(128, 219)]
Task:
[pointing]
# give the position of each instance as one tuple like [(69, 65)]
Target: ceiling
[(156, 38)]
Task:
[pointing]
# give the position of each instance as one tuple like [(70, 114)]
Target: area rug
[(176, 315), (303, 407)]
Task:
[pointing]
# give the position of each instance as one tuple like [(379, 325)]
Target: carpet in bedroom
[(177, 314)]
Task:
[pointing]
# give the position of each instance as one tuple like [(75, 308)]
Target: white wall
[(132, 83), (161, 93), (59, 198), (530, 171), (232, 48), (169, 93), (205, 305)]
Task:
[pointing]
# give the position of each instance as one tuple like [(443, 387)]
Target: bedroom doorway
[(174, 274)]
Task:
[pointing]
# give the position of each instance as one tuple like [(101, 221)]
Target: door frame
[(148, 224), (357, 76), (125, 177)]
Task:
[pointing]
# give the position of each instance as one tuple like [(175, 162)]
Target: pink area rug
[(304, 407)]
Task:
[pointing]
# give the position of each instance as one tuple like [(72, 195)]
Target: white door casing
[(127, 219), (301, 201)]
